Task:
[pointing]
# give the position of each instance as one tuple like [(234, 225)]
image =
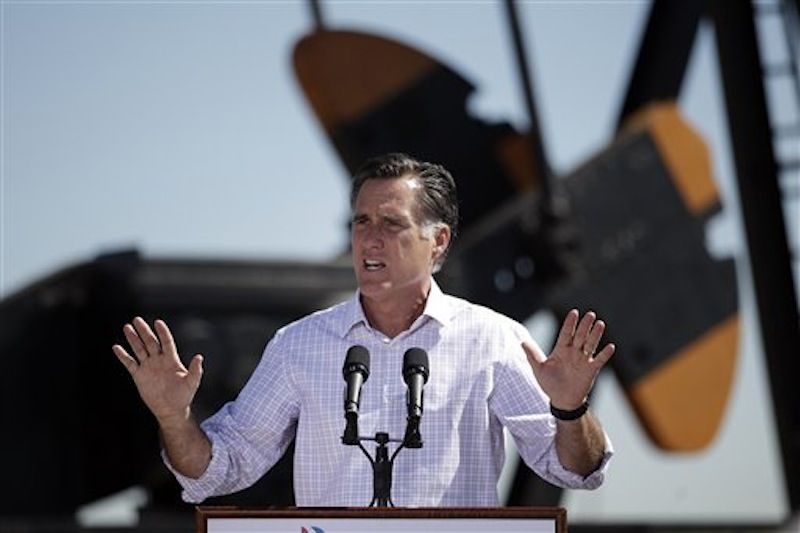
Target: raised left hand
[(568, 374)]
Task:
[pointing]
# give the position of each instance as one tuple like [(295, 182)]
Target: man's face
[(392, 255)]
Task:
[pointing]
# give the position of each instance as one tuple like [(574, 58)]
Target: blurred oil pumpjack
[(629, 244)]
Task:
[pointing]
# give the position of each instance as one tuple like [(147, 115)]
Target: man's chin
[(372, 286)]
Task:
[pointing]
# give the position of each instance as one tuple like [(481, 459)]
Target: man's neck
[(392, 316)]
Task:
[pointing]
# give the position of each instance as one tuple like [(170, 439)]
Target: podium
[(216, 519)]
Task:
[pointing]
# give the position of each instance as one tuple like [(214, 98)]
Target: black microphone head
[(415, 361), (357, 360)]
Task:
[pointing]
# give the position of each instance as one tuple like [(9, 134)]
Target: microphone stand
[(382, 464), (382, 469)]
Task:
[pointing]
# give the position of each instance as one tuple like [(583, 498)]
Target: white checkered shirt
[(480, 382)]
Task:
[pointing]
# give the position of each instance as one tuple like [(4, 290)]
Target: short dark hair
[(437, 199)]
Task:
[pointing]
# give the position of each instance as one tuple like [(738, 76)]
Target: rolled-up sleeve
[(249, 435), (523, 408), (195, 490)]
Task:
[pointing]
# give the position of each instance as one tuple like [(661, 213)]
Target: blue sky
[(179, 128)]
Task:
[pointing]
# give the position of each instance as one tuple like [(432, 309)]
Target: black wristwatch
[(569, 415)]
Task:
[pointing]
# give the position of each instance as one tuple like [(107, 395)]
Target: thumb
[(196, 369), (535, 355)]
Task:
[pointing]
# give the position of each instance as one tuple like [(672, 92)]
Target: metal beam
[(759, 195), (663, 54)]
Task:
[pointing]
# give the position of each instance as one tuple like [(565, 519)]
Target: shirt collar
[(436, 307)]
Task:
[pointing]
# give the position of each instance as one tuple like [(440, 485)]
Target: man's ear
[(441, 239)]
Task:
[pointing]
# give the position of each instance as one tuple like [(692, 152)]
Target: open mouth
[(372, 266)]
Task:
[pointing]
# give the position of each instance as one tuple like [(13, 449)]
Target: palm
[(568, 374), (166, 386)]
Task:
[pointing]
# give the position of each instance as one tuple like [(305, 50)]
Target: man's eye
[(393, 227)]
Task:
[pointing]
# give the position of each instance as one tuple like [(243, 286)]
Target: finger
[(535, 355), (583, 329), (135, 342), (604, 355), (149, 339), (165, 338), (125, 358), (567, 332), (593, 339), (196, 369)]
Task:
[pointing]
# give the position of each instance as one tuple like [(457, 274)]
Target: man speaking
[(485, 373)]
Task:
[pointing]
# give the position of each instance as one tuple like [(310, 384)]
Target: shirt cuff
[(593, 480), (195, 490)]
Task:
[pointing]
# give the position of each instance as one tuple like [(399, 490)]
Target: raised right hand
[(165, 385)]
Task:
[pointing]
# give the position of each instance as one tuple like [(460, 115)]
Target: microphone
[(356, 373), (415, 374)]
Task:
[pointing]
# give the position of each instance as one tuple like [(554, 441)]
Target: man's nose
[(373, 235)]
